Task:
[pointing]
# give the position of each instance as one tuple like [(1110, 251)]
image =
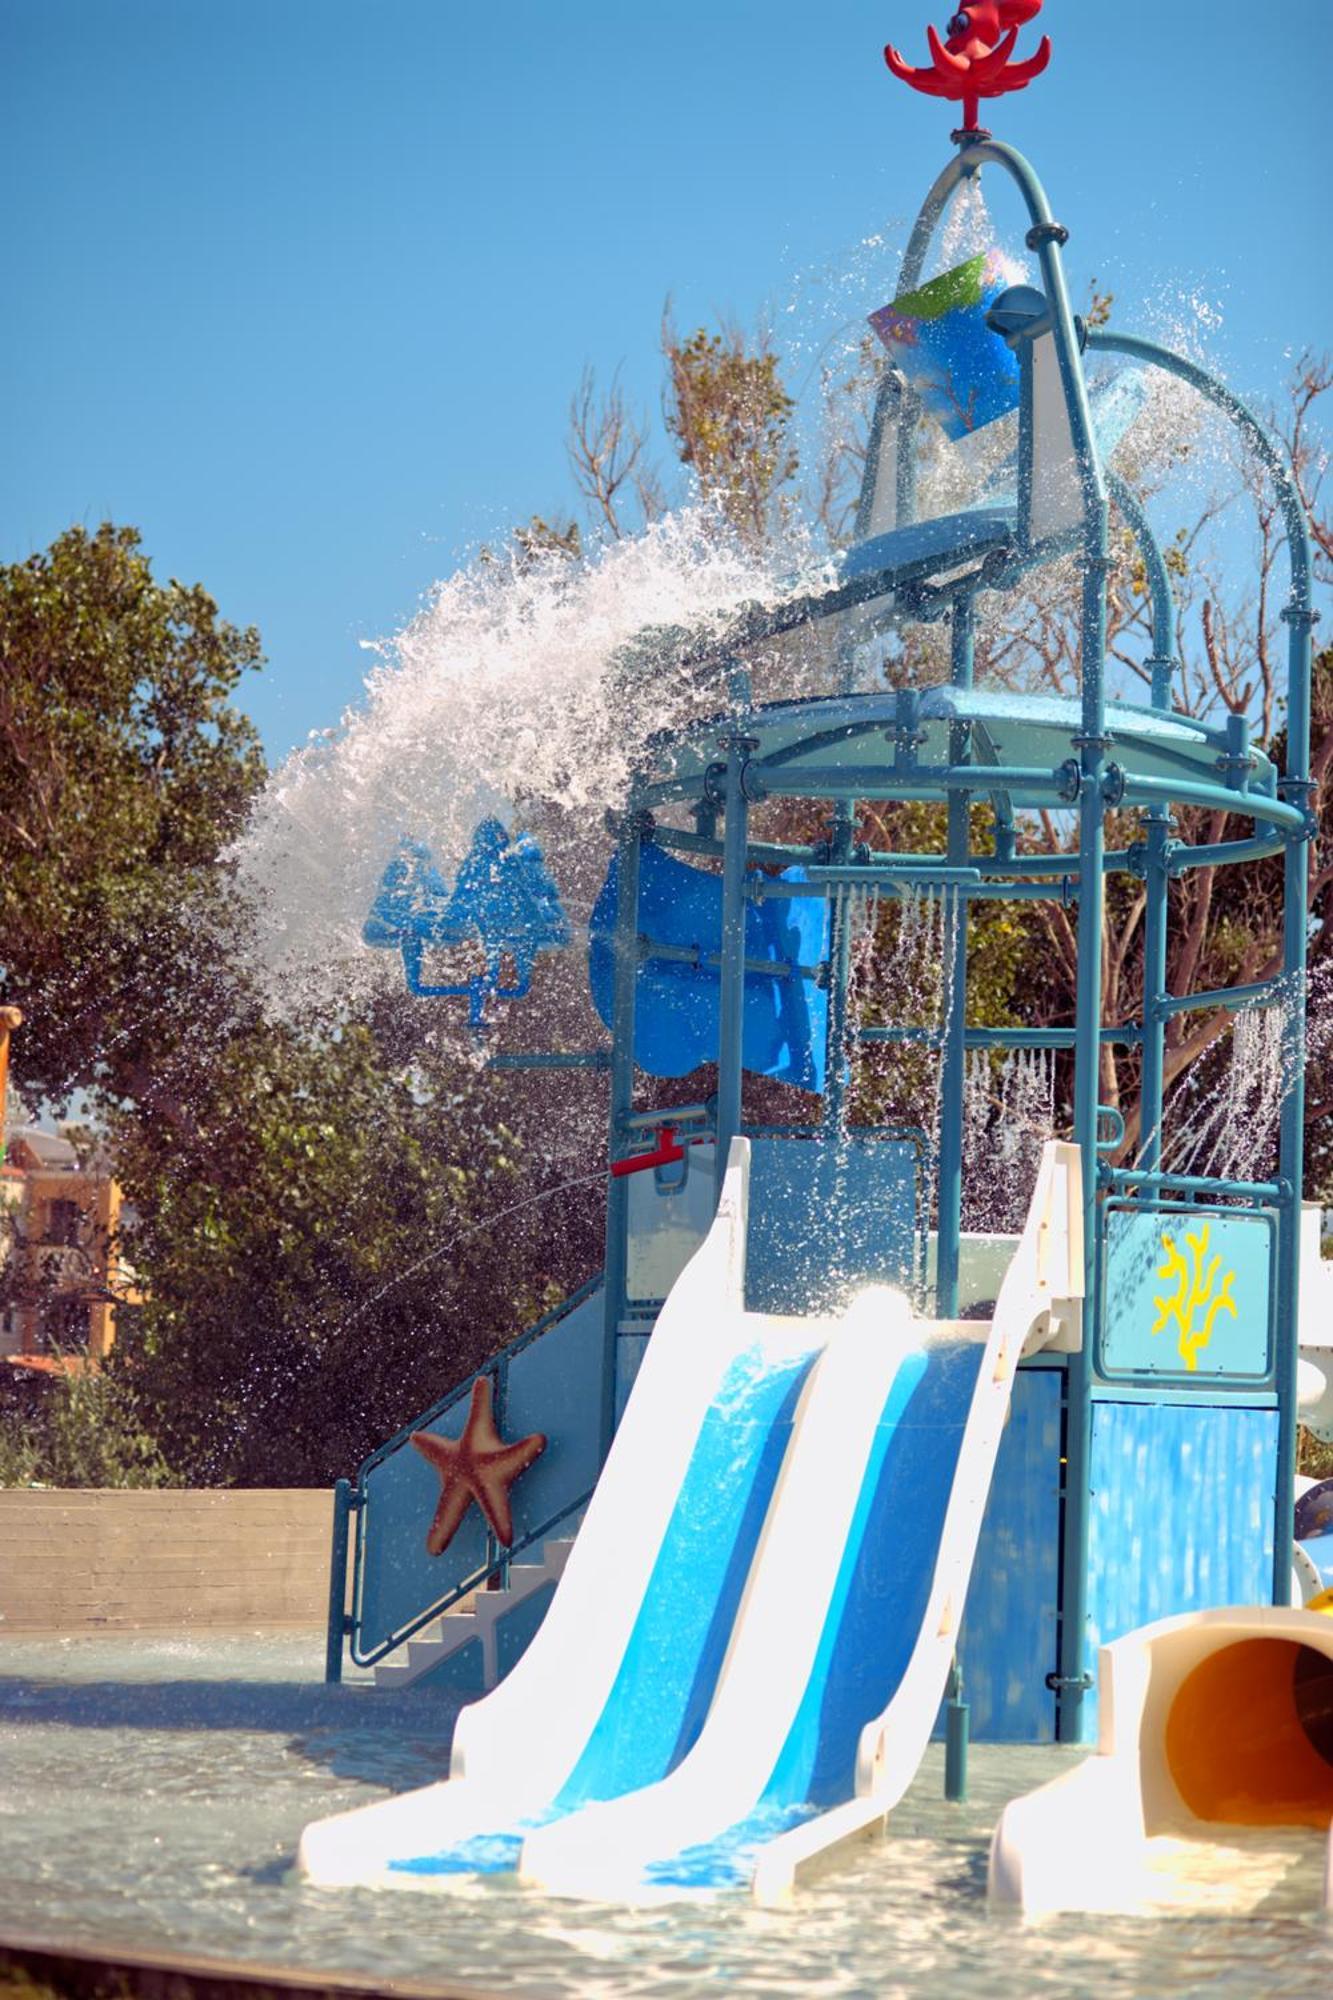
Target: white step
[(474, 1617)]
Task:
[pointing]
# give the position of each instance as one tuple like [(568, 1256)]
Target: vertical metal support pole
[(624, 988), (497, 1555), (1087, 1092), (957, 1733), (953, 1080), (1157, 886), (1296, 787), (731, 1008), (336, 1629), (1152, 1087), (839, 974)]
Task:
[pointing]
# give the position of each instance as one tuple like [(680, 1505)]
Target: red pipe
[(665, 1154)]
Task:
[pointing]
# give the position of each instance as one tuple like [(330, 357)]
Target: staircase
[(471, 1647)]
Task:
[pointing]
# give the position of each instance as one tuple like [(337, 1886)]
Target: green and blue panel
[(1187, 1296), (967, 376)]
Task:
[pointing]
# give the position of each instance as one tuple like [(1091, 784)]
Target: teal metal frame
[(846, 748), (843, 752)]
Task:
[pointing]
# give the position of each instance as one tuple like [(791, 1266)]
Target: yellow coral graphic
[(1195, 1278)]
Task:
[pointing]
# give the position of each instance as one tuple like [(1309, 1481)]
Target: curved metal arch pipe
[(1150, 355), (967, 166), (1045, 238)]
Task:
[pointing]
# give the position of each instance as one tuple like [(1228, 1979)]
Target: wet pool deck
[(152, 1792)]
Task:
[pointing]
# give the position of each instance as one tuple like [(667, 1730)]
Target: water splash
[(502, 695), (261, 1392), (899, 980), (509, 693)]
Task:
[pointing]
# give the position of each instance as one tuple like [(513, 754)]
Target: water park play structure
[(807, 1461)]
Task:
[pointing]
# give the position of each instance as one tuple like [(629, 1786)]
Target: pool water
[(152, 1792)]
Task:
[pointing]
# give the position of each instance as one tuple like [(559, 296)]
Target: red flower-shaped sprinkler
[(974, 60)]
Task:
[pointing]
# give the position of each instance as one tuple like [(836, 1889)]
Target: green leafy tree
[(124, 772), (78, 1430), (339, 1238), (730, 416)]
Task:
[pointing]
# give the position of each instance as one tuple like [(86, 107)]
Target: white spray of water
[(1008, 1114), (904, 987), (1226, 1125), (497, 698)]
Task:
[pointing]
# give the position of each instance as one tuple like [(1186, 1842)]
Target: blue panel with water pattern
[(1180, 1515), (1008, 1641)]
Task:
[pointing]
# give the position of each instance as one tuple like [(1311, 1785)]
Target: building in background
[(61, 1273)]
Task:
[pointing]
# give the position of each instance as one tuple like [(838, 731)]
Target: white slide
[(618, 1680), (1212, 1786), (837, 1664)]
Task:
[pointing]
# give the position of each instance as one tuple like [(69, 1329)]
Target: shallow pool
[(153, 1791)]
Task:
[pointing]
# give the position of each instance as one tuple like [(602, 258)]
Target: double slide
[(747, 1652)]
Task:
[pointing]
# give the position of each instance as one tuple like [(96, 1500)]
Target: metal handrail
[(476, 1581)]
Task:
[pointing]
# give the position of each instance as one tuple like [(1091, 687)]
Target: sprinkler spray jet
[(974, 61)]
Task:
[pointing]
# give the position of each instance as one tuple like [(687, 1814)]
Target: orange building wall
[(82, 1271), (46, 1270)]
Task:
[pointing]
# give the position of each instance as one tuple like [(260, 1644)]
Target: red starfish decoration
[(478, 1466), (974, 62)]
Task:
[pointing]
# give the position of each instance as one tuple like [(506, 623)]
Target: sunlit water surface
[(153, 1792)]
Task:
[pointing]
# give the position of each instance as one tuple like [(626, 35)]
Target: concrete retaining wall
[(93, 1560)]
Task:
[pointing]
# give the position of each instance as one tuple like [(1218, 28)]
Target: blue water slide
[(871, 1621), (837, 1666), (614, 1689), (862, 1510), (662, 1692)]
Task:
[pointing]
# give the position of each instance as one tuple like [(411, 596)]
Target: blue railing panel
[(543, 1381), (552, 1387), (397, 1580)]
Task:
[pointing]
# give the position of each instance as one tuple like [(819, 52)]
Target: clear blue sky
[(301, 288)]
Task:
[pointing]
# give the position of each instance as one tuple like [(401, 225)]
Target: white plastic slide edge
[(1047, 1269), (562, 1681)]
